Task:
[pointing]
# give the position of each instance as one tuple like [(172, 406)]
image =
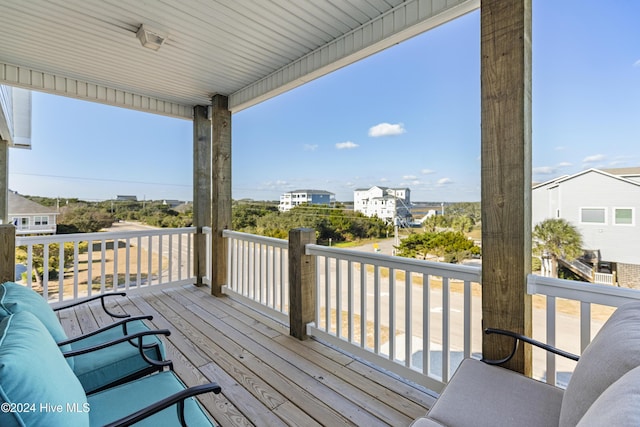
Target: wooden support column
[(302, 282), (4, 181), (506, 174), (7, 253), (221, 190), (201, 188)]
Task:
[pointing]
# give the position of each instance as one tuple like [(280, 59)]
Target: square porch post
[(7, 253), (4, 181), (506, 174), (201, 188), (221, 189), (302, 282)]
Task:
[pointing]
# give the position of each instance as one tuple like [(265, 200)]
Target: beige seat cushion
[(484, 395), (613, 352)]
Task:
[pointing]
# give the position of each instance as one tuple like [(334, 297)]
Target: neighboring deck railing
[(140, 259)]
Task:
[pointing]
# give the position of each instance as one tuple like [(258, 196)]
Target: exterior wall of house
[(292, 199), (604, 208), (385, 203)]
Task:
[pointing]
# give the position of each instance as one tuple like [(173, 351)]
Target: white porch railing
[(111, 261), (423, 334), (415, 318), (398, 313), (575, 333), (258, 272)]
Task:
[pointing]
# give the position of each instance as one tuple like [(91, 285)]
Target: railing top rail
[(581, 291), (108, 235), (462, 272), (280, 243)]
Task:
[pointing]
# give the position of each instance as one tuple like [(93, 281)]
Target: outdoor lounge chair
[(95, 370), (604, 388), (38, 388)]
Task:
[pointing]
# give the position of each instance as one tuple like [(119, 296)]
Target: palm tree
[(557, 238)]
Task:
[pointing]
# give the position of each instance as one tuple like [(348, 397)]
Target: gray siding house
[(604, 205), (30, 217)]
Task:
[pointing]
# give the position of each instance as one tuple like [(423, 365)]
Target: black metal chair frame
[(154, 365), (517, 339)]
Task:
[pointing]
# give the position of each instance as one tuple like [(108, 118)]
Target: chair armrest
[(122, 323), (178, 398), (101, 298), (517, 338), (138, 336)]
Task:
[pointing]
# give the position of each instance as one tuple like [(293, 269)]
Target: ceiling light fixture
[(150, 38)]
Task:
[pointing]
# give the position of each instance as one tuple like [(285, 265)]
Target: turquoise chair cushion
[(37, 386), (108, 365), (114, 403), (15, 298)]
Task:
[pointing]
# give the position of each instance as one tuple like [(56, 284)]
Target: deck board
[(267, 377)]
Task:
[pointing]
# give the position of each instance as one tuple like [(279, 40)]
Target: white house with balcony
[(30, 217), (295, 198), (604, 205), (384, 202)]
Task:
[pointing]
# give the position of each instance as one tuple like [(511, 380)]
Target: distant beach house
[(172, 203), (298, 197), (604, 205), (390, 204), (30, 217), (121, 198)]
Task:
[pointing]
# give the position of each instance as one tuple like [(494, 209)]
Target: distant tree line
[(331, 224), (263, 218), (335, 224)]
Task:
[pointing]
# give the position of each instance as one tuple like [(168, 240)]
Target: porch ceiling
[(249, 50)]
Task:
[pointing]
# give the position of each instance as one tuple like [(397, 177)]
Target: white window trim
[(633, 216), (606, 215)]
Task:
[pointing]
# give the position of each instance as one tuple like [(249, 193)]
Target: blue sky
[(406, 117)]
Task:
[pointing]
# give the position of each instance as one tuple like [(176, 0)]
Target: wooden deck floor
[(267, 377)]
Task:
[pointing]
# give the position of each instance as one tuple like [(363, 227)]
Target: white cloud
[(386, 129), (444, 181), (564, 164), (594, 158), (560, 148), (637, 63), (347, 145), (427, 171), (544, 170), (384, 180), (409, 177), (310, 147)]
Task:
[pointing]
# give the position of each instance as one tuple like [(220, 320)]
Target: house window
[(41, 220), (623, 216), (593, 216), (21, 223)]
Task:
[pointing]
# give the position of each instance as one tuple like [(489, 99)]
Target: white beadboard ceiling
[(249, 50)]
